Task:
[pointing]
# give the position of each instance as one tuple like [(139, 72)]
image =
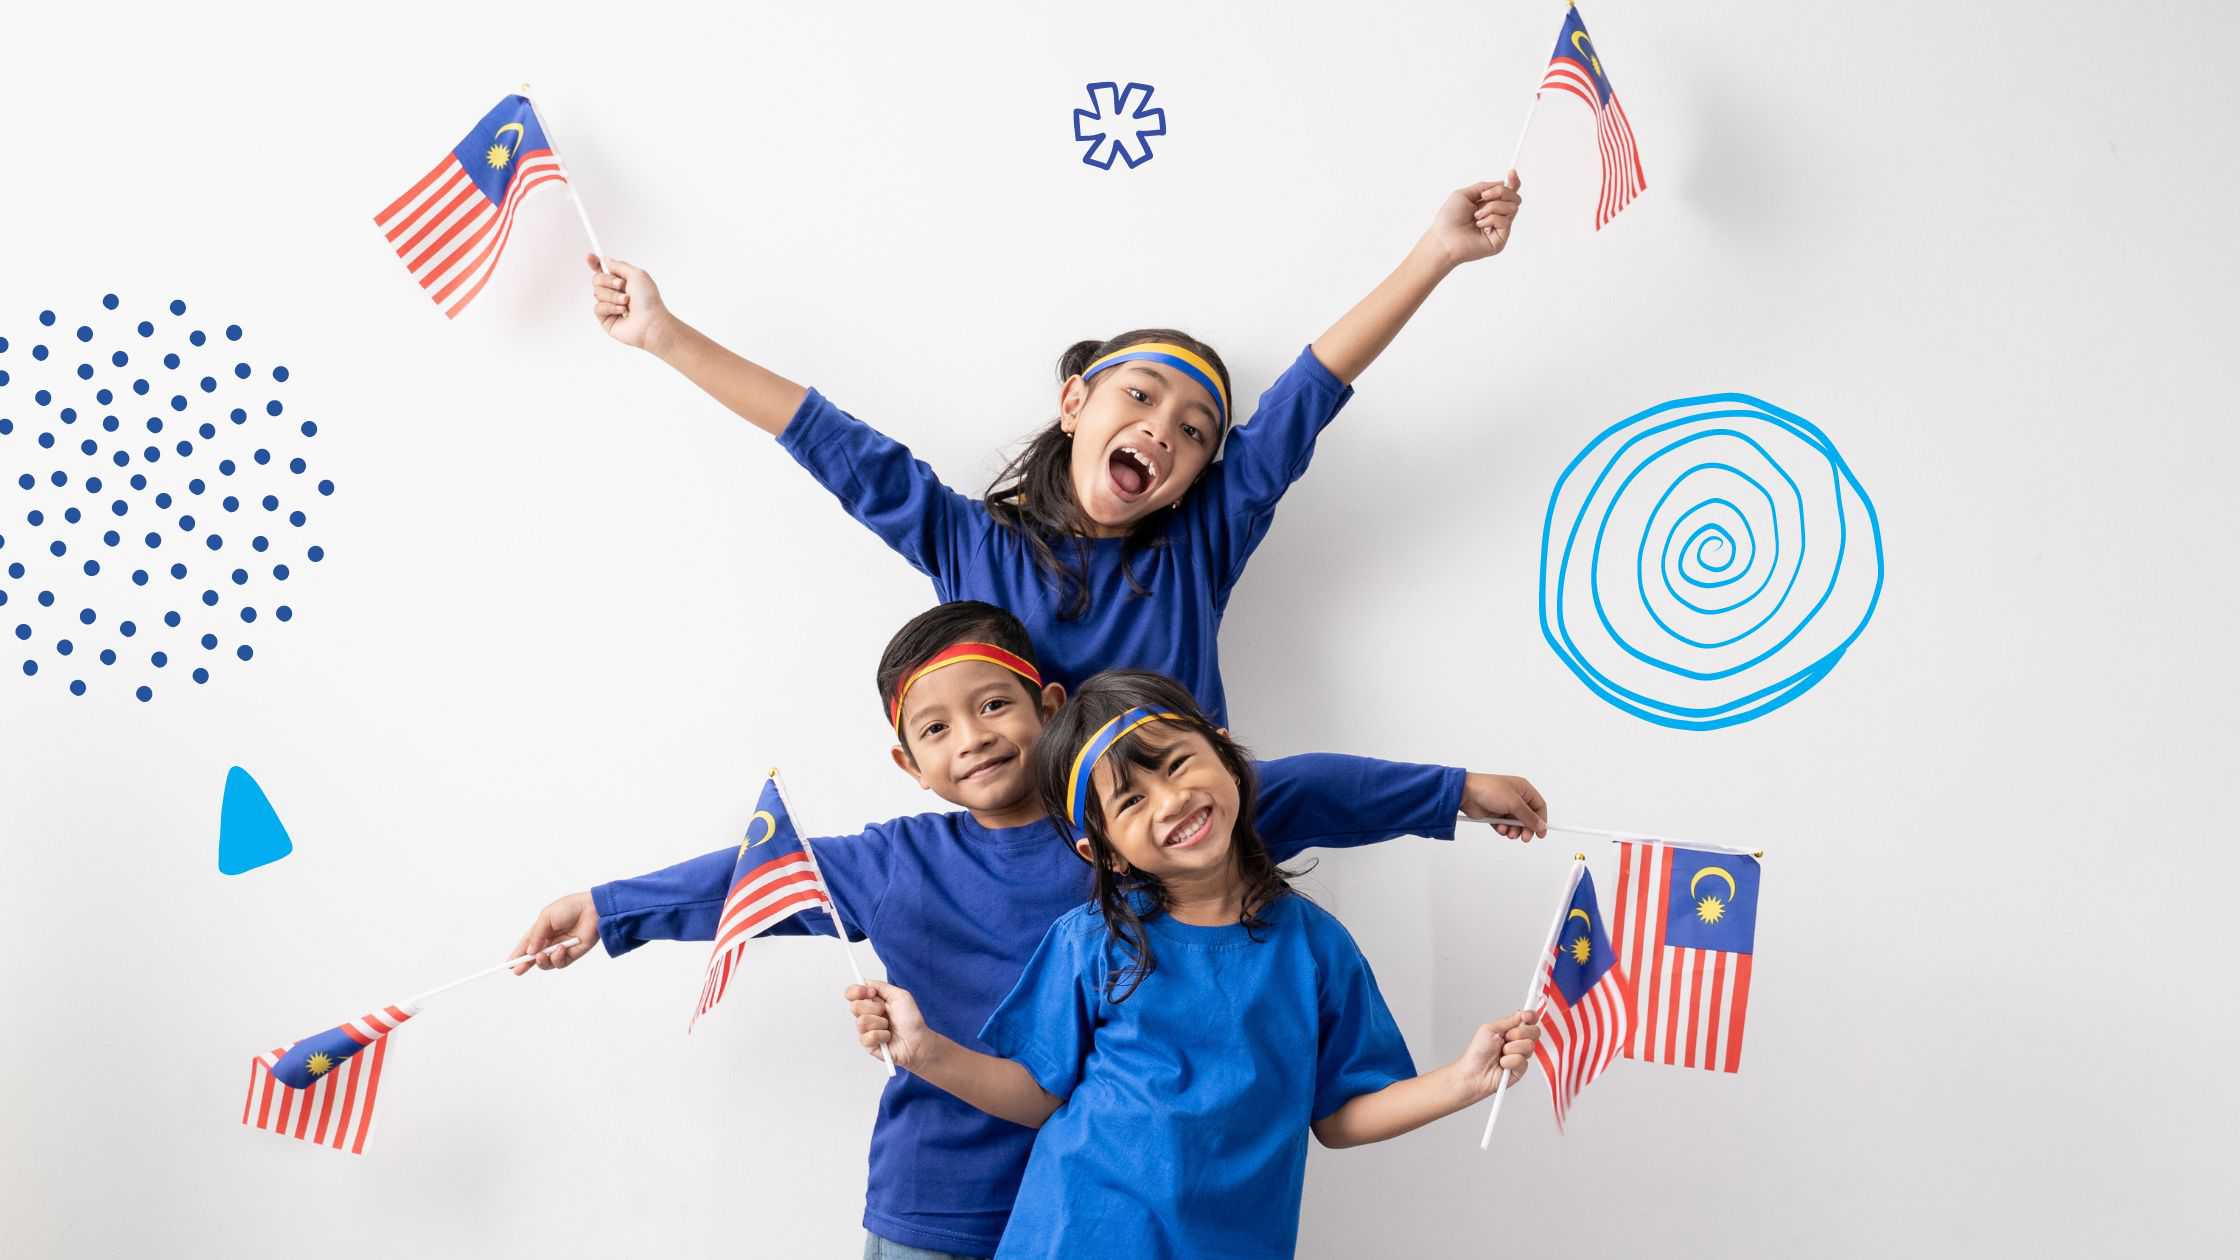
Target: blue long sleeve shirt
[(1188, 575), (954, 911)]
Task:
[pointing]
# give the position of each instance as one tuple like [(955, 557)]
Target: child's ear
[(1053, 699), (1081, 850), (1070, 401), (904, 762)]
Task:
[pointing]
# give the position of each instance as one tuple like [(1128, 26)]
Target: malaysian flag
[(321, 1089), (1584, 1012), (1687, 923), (1576, 68), (773, 877), (451, 227)]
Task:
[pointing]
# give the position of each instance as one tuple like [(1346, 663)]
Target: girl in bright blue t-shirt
[(1115, 536), (1177, 1039)]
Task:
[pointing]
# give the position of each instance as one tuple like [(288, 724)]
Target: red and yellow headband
[(957, 654)]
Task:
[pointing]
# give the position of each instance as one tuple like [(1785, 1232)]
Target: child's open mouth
[(1133, 473), (1191, 830)]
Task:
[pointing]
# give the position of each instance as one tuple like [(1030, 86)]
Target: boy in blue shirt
[(955, 903)]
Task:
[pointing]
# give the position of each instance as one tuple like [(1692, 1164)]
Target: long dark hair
[(1034, 492), (1127, 897)]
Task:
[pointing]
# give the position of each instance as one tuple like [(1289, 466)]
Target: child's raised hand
[(1506, 796), (888, 1016), (1474, 222), (626, 302), (1505, 1045), (572, 915)]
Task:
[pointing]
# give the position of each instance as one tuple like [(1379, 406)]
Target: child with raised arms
[(1115, 535), (955, 903), (1175, 1040)]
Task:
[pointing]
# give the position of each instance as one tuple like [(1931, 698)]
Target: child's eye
[(1138, 394), (1191, 431), (1127, 803), (1175, 766), (993, 705), (932, 730)]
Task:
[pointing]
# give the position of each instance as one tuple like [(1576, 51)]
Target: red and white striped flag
[(1576, 67), (1584, 1008), (451, 227), (1687, 934), (773, 878), (335, 1107)]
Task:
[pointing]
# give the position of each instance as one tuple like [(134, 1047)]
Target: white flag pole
[(1640, 837), (567, 181), (1532, 997), (845, 944), (412, 1004)]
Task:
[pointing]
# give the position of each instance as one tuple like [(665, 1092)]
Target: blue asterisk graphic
[(1109, 112)]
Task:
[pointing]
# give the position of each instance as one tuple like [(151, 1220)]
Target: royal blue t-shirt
[(1188, 573), (954, 910), (1182, 1134)]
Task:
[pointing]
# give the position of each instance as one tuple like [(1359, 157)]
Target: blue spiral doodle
[(1706, 561)]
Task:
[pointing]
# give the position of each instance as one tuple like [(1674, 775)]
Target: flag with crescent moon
[(1576, 68), (321, 1089), (450, 228), (1584, 1005), (773, 878), (1687, 935)]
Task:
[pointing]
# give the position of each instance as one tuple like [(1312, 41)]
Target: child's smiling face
[(1141, 436), (968, 732), (1173, 819)]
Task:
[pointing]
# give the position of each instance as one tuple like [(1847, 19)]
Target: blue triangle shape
[(249, 833)]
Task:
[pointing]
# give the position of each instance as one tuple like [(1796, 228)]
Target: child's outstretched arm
[(1472, 223), (630, 309), (888, 1016), (1504, 1045)]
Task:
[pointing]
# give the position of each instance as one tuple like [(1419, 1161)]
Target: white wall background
[(573, 608)]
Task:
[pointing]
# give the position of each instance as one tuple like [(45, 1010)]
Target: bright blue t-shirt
[(1188, 572), (954, 910), (1186, 1104)]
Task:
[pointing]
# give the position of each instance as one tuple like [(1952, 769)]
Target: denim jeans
[(877, 1248)]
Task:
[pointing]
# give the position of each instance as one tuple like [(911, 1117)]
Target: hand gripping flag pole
[(845, 944), (1532, 989), (544, 117)]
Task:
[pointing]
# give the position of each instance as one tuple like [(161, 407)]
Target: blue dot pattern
[(52, 457)]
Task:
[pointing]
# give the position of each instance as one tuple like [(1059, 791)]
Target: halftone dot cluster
[(156, 497)]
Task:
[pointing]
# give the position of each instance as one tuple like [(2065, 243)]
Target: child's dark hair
[(938, 627), (1126, 897), (1034, 492)]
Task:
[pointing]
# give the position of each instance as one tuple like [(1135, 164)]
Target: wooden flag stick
[(829, 899), (1532, 996)]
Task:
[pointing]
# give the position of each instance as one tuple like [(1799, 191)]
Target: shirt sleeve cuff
[(1449, 796), (610, 922), (804, 426), (1311, 365)]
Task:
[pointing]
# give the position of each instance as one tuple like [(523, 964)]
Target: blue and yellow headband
[(1180, 358), (1100, 743)]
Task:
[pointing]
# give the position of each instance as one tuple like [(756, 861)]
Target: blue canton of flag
[(1584, 1009)]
